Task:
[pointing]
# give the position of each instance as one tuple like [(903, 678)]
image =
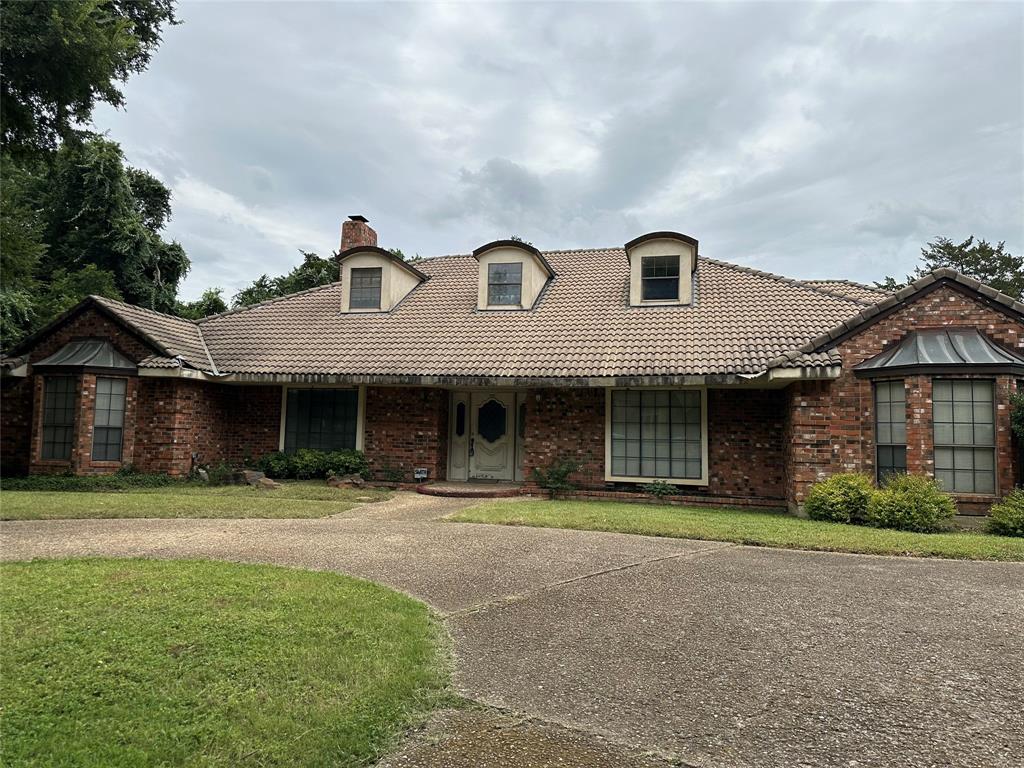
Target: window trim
[(874, 424), (380, 289), (522, 270), (360, 410), (994, 447), (679, 277), (121, 429), (705, 469), (72, 425)]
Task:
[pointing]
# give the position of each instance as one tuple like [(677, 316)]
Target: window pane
[(364, 292), (108, 418), (504, 284), (659, 266), (890, 428), (58, 416), (660, 288), (657, 433), (322, 419), (963, 416)]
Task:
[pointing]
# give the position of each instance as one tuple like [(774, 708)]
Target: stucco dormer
[(512, 275), (374, 280), (661, 267)]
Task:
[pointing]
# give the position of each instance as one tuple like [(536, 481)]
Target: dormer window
[(505, 284), (661, 267), (512, 275), (365, 290), (660, 278)]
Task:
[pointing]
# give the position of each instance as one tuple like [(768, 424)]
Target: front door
[(492, 438)]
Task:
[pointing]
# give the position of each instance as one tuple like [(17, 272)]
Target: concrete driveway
[(638, 650)]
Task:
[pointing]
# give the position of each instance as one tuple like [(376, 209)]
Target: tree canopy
[(312, 272), (991, 264), (76, 219)]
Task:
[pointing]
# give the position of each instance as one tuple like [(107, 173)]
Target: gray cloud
[(814, 140)]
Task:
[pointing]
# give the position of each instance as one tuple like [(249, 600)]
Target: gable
[(947, 305), (91, 322)]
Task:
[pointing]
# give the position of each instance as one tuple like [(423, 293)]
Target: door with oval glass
[(492, 438)]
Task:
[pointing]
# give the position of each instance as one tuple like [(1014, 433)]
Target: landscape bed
[(758, 528), (134, 662), (298, 499)]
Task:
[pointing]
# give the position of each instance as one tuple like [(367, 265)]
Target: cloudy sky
[(811, 140)]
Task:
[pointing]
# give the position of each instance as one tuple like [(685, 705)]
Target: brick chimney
[(357, 231)]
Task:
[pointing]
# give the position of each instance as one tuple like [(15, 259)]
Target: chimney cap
[(358, 218)]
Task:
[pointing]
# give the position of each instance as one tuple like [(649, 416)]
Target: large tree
[(991, 264), (312, 272), (61, 57)]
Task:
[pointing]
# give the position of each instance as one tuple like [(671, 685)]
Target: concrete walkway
[(629, 650)]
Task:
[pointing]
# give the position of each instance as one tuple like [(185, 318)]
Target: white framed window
[(365, 290), (58, 416), (656, 434), (659, 278), (890, 429), (322, 418)]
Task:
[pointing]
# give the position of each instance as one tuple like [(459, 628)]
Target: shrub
[(556, 477), (911, 503), (123, 480), (659, 489), (220, 474), (307, 463), (840, 499), (277, 465), (1007, 517)]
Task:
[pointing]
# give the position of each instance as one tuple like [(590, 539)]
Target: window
[(460, 420), (657, 434), (322, 419), (58, 416), (890, 428), (364, 293), (963, 417), (108, 423), (505, 284), (660, 278)]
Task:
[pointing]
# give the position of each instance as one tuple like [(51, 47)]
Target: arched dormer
[(374, 280), (661, 267), (512, 275)]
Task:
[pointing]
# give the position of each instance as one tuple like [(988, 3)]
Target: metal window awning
[(942, 350), (86, 355)]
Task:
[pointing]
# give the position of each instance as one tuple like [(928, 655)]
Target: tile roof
[(175, 335), (581, 327), (853, 290)]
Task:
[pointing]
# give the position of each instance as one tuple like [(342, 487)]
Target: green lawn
[(765, 529), (146, 663), (292, 499)]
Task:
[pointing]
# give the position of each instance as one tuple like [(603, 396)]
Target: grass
[(146, 663), (764, 529), (292, 499)]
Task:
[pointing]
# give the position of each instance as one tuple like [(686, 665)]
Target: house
[(643, 362)]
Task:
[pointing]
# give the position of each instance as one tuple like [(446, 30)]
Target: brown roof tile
[(175, 334), (582, 326)]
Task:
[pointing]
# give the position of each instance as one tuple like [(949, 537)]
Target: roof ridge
[(104, 299), (788, 281), (265, 302), (855, 283)]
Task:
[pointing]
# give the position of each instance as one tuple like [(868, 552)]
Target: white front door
[(492, 437)]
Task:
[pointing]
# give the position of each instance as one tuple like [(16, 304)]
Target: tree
[(312, 272), (991, 264), (61, 57), (210, 303), (99, 211)]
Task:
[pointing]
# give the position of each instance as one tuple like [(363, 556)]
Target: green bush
[(306, 463), (1007, 517), (840, 499), (556, 478), (660, 490), (123, 480), (911, 503)]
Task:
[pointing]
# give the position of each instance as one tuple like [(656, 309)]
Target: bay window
[(890, 428), (58, 416), (963, 415), (108, 421)]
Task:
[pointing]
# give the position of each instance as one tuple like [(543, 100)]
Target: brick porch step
[(471, 490)]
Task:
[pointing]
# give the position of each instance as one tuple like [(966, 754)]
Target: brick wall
[(16, 397), (830, 425), (406, 428), (744, 441)]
